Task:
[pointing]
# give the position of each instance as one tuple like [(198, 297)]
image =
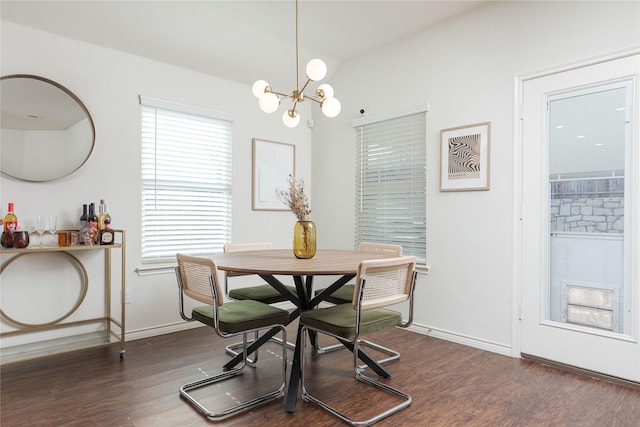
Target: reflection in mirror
[(47, 132)]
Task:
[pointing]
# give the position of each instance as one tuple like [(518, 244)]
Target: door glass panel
[(587, 142)]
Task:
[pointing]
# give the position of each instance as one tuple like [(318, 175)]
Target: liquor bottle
[(84, 217), (10, 222), (92, 223), (106, 220), (101, 214), (83, 222), (107, 236)]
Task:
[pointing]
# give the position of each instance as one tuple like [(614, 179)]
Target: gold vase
[(304, 239)]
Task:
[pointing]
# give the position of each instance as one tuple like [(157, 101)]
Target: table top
[(283, 262)]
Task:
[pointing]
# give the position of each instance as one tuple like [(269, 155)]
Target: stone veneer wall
[(597, 215), (588, 206)]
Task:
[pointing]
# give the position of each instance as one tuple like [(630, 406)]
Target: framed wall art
[(273, 162), (464, 157)]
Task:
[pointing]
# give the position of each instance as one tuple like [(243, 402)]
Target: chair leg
[(290, 345), (243, 406), (328, 348), (307, 396), (231, 349), (393, 355)]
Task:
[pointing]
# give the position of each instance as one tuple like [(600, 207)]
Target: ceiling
[(244, 40), (236, 40)]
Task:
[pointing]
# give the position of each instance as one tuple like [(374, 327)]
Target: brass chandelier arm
[(319, 101), (295, 98), (305, 86), (293, 112), (283, 95)]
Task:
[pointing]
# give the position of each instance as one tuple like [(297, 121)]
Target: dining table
[(273, 265)]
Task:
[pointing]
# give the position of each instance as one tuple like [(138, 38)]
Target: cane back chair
[(379, 283), (344, 295), (263, 293), (198, 279)]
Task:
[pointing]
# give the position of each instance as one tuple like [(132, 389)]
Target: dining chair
[(263, 293), (379, 283), (266, 293), (198, 279), (344, 295)]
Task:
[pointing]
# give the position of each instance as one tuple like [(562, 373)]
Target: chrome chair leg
[(231, 349), (290, 345), (392, 354), (185, 390), (307, 396)]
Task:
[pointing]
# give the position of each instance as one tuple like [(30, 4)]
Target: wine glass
[(41, 226), (53, 222)]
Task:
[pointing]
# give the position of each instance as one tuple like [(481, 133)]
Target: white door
[(580, 210)]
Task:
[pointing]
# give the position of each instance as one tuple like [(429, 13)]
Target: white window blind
[(186, 181), (391, 183)]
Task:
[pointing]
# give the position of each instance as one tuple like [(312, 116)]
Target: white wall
[(109, 82), (465, 67)]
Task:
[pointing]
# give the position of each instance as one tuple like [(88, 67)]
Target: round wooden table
[(281, 262)]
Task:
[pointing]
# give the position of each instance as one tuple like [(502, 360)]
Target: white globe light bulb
[(331, 107), (258, 88), (316, 69), (290, 120), (326, 90), (268, 102)]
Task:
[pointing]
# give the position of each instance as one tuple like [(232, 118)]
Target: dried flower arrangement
[(295, 198)]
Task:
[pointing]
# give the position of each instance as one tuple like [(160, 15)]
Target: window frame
[(190, 205), (416, 225)]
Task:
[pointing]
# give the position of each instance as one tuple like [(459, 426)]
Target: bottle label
[(106, 238), (10, 226)]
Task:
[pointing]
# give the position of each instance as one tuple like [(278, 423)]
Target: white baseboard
[(161, 330), (462, 339), (417, 328)]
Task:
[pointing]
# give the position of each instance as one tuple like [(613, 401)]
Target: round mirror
[(47, 132)]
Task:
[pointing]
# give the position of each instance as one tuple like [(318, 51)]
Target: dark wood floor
[(451, 385)]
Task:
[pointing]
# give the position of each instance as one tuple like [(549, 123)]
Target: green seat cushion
[(263, 293), (343, 295), (341, 320), (238, 316)]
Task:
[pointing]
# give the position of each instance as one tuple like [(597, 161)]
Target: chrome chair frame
[(358, 305), (392, 354), (216, 301)]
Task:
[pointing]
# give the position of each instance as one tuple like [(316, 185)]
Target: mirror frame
[(80, 104)]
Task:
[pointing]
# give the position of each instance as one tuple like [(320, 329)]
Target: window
[(186, 180), (391, 182)]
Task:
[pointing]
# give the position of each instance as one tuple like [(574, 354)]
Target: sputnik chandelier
[(269, 100)]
